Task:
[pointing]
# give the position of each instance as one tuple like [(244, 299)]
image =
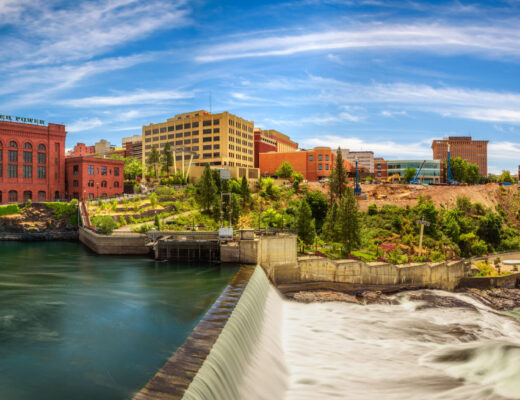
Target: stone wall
[(358, 274), (114, 244)]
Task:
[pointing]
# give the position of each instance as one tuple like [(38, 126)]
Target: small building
[(93, 177), (81, 149), (380, 169), (32, 160), (431, 171), (313, 164)]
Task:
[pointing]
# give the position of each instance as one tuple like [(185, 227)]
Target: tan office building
[(215, 139), (474, 151), (364, 158)]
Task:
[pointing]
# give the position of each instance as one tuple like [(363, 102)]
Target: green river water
[(75, 325)]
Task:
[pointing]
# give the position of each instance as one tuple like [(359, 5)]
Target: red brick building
[(380, 169), (312, 164), (81, 149), (266, 141), (92, 177), (32, 162), (474, 151)]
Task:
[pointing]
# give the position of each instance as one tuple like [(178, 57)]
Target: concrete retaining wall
[(505, 282), (357, 273), (114, 244)]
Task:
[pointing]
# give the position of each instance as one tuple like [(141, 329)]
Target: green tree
[(337, 177), (245, 191), (490, 228), (133, 168), (104, 223), (305, 224), (235, 208), (285, 170), (463, 171), (206, 190), (297, 178), (318, 203), (349, 228), (167, 158), (505, 177), (330, 225), (409, 174), (153, 160)]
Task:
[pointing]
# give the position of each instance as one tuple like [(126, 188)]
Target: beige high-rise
[(215, 139)]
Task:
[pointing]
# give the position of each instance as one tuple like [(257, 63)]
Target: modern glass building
[(430, 172)]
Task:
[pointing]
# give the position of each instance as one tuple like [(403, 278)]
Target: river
[(75, 325)]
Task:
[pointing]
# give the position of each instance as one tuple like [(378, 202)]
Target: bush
[(122, 221), (67, 211), (372, 209), (104, 223), (9, 209), (143, 228)]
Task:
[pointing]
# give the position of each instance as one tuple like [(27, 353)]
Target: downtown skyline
[(365, 75)]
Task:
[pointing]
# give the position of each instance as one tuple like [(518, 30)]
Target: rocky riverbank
[(498, 299)]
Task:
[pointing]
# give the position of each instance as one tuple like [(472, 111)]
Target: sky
[(387, 76)]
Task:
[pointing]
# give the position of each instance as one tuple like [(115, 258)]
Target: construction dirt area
[(404, 195)]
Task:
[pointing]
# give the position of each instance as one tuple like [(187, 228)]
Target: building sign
[(24, 120)]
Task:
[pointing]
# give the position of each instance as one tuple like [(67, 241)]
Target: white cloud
[(495, 41), (389, 113), (137, 97), (84, 125)]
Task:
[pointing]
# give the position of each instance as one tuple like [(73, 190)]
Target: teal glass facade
[(430, 173)]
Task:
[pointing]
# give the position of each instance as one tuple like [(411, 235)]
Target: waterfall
[(246, 361)]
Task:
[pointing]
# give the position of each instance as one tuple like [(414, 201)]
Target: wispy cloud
[(137, 97), (484, 40), (84, 125)]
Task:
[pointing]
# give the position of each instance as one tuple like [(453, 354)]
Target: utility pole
[(422, 222)]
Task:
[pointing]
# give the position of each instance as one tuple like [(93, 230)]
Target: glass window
[(27, 146), (206, 131), (216, 130), (216, 121), (41, 157), (27, 171), (187, 126), (320, 167), (12, 171), (206, 147), (75, 183), (206, 123), (103, 170), (12, 156), (178, 127), (104, 184), (13, 195), (320, 157), (216, 138), (171, 128), (12, 143), (310, 158), (206, 139), (41, 172), (91, 170), (327, 167), (162, 130), (27, 156), (116, 184), (116, 171), (41, 147), (195, 125)]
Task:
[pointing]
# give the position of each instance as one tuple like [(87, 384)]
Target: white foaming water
[(277, 349)]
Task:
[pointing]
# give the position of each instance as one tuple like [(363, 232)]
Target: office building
[(272, 141), (364, 158), (431, 171), (473, 151)]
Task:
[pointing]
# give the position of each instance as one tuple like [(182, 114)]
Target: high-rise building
[(32, 161), (364, 158), (216, 139), (473, 151)]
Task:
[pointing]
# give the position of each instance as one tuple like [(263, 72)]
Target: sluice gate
[(185, 246)]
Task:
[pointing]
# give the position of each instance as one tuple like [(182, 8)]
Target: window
[(216, 138), (116, 184), (178, 143), (163, 137), (41, 147), (103, 170), (27, 156), (216, 121), (178, 127), (326, 157), (187, 141), (41, 157), (195, 140), (1, 171), (41, 172), (327, 167), (195, 133), (148, 140), (75, 170), (27, 171), (13, 196), (90, 183), (195, 148), (91, 170), (186, 134), (206, 147), (216, 130), (75, 183), (42, 196), (12, 171), (216, 146), (178, 135), (378, 166), (187, 126), (12, 156), (162, 130), (216, 154), (156, 131), (320, 157), (206, 155), (27, 146), (206, 139), (320, 167), (12, 143), (310, 158), (116, 171), (171, 128), (378, 173), (147, 133), (195, 125), (103, 184), (91, 196), (205, 131), (206, 123)]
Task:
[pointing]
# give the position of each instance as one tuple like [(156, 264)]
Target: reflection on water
[(74, 325)]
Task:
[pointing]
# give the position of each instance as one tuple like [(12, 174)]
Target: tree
[(297, 178), (133, 168), (505, 177), (305, 224), (154, 158), (490, 228), (245, 191), (464, 171), (409, 174), (206, 191), (235, 208), (318, 203), (330, 225), (167, 158), (337, 178), (349, 229), (285, 170)]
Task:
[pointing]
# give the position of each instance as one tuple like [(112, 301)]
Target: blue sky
[(387, 76)]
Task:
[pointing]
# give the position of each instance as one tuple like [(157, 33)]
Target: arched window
[(116, 184), (42, 196), (13, 196), (27, 146), (103, 183), (12, 143), (27, 195), (41, 147)]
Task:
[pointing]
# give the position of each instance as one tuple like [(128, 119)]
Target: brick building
[(272, 141), (380, 169), (32, 162), (474, 151), (133, 146), (313, 164), (93, 177), (81, 149)]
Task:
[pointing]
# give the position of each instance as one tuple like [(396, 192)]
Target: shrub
[(9, 209), (143, 228), (122, 221), (104, 223), (372, 209), (153, 200)]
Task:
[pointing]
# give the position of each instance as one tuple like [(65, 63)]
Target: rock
[(499, 299), (323, 296)]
